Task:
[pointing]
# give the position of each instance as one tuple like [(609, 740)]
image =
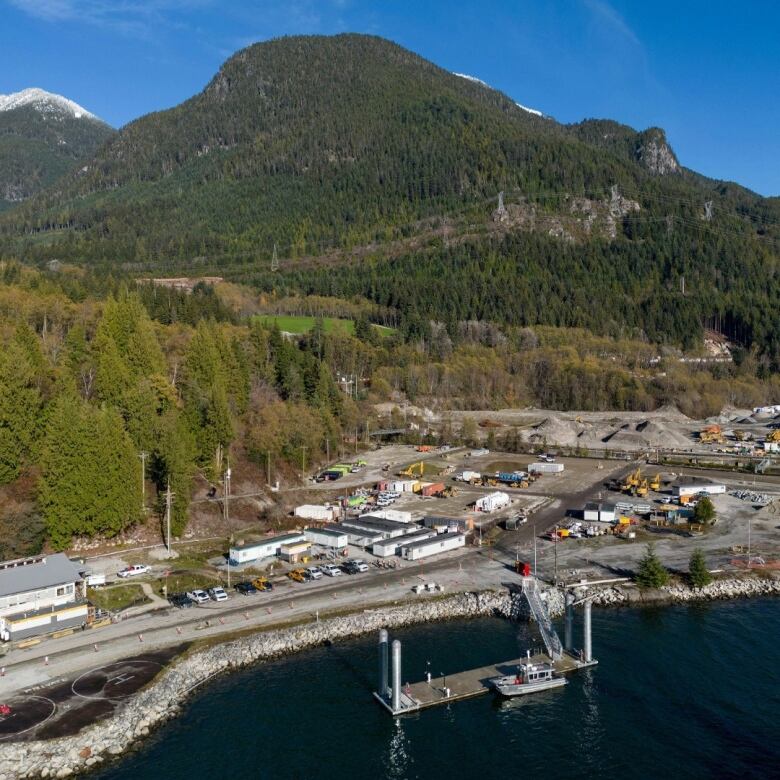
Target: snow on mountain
[(485, 84), (44, 102)]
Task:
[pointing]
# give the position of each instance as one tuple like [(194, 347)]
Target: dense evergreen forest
[(96, 369)]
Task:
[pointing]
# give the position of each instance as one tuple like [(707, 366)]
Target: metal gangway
[(540, 614)]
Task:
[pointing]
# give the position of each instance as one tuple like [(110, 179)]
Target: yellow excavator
[(655, 483), (632, 481), (414, 470), (773, 436), (641, 489)]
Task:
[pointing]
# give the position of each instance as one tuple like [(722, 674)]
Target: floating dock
[(468, 684), (400, 699)]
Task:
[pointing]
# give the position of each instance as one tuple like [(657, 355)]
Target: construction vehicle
[(413, 470), (773, 436), (655, 483), (262, 583), (712, 434), (450, 491), (297, 575), (631, 481), (424, 448), (642, 488)]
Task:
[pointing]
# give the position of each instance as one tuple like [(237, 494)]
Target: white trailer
[(388, 547), (392, 514), (327, 537), (546, 468), (693, 490), (491, 502), (468, 476), (360, 538), (266, 548), (437, 544), (598, 513), (318, 512)]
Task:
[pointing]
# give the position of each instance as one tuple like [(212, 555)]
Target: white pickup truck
[(132, 571)]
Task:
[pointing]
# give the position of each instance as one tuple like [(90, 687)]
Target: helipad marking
[(121, 677), (35, 725)]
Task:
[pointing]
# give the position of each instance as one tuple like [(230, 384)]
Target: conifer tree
[(651, 572), (698, 574)]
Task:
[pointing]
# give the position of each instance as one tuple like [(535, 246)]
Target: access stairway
[(542, 618)]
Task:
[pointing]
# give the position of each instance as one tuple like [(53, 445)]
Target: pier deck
[(473, 682)]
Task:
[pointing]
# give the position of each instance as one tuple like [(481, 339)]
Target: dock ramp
[(542, 618)]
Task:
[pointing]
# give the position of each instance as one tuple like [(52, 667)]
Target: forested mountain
[(42, 137), (352, 147)]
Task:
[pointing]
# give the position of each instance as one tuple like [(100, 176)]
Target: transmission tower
[(708, 210), (275, 260), (501, 210), (614, 201)]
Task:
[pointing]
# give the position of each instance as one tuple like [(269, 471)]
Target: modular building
[(321, 513), (681, 491), (599, 513), (359, 537), (446, 524), (387, 547), (397, 515), (328, 536), (40, 595), (545, 468), (388, 528), (295, 551), (438, 544), (491, 502), (267, 548)]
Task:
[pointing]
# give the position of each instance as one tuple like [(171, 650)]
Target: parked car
[(131, 571), (331, 570), (262, 583), (198, 596), (246, 588), (180, 600), (360, 565), (314, 572), (218, 594)]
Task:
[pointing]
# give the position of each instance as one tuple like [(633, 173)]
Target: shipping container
[(545, 468), (693, 490), (433, 489)]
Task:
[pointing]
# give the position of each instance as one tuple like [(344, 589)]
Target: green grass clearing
[(300, 324), (116, 597)]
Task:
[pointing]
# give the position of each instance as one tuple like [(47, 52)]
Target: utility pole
[(557, 541), (143, 456), (534, 549), (268, 466), (303, 462), (327, 449), (275, 260), (227, 518), (356, 439), (168, 500), (748, 561)]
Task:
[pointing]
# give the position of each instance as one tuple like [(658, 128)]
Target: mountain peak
[(44, 102)]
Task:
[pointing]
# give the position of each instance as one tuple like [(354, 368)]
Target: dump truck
[(712, 434), (514, 479)]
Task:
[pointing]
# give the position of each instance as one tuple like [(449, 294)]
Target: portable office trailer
[(491, 502), (681, 491), (445, 524), (359, 537), (438, 544), (372, 524), (396, 515), (546, 468), (267, 548), (327, 537), (322, 513), (601, 513), (295, 551), (387, 547)]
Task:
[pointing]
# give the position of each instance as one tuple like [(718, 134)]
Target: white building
[(599, 513), (433, 546), (397, 515), (492, 501), (267, 548), (40, 595), (692, 490), (321, 513), (329, 536), (371, 524), (388, 547), (360, 538)]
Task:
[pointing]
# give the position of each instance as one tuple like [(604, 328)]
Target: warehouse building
[(40, 595), (267, 548), (437, 544)]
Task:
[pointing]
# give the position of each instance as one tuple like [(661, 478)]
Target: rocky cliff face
[(655, 154)]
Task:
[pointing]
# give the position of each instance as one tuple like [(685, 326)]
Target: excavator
[(632, 481), (413, 470), (641, 489), (773, 436), (655, 483)]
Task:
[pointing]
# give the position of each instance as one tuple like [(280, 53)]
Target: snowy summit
[(485, 84), (45, 102)]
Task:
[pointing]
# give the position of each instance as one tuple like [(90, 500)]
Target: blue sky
[(706, 71)]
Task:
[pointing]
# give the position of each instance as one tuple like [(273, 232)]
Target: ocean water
[(680, 692)]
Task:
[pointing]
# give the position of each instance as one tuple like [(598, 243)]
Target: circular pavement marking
[(114, 681), (27, 713)]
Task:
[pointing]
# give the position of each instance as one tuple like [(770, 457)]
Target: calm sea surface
[(680, 692)]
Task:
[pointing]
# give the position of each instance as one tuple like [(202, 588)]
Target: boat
[(529, 678)]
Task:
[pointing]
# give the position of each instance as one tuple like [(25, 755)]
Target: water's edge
[(164, 697)]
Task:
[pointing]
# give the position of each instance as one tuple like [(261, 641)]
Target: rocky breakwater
[(163, 698)]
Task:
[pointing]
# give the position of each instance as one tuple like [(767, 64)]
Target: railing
[(539, 611)]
